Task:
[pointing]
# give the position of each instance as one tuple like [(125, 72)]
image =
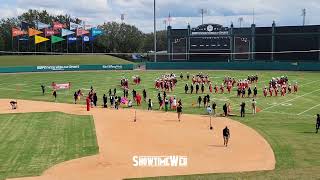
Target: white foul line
[(290, 100), (309, 109)]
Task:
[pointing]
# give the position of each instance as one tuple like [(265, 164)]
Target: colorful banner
[(72, 39), (86, 38), (17, 32), (25, 26), (55, 39), (24, 39), (57, 25), (66, 32), (74, 26), (39, 39), (41, 25), (61, 86), (96, 32), (87, 27), (81, 32), (33, 32), (49, 32)]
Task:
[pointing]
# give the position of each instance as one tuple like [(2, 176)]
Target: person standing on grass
[(110, 93), (254, 106), (255, 92), (95, 99), (75, 97), (114, 91), (144, 93), (43, 89), (214, 106), (249, 92), (225, 109), (54, 94), (202, 88), (191, 89), (199, 101), (150, 104), (318, 123), (179, 111), (226, 136), (197, 88), (166, 104), (242, 109), (186, 88), (205, 101), (105, 101)]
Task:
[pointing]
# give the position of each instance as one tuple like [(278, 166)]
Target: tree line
[(117, 37)]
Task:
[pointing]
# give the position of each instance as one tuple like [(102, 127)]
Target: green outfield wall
[(20, 69), (284, 66)]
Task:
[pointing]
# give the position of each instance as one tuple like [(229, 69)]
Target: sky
[(183, 12)]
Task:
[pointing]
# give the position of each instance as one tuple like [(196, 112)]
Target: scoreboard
[(209, 43), (210, 37)]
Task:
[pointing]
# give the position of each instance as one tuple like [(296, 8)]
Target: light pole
[(155, 30), (240, 21), (203, 12), (304, 13)]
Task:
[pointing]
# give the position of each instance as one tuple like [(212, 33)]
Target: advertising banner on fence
[(97, 67)]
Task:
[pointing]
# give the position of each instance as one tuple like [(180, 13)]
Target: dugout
[(215, 43)]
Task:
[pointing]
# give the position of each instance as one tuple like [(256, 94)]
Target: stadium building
[(213, 42)]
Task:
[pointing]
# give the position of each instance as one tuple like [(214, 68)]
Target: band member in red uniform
[(276, 91), (295, 87), (222, 88), (270, 91), (216, 89), (88, 102), (265, 92), (229, 87), (283, 91), (210, 88)]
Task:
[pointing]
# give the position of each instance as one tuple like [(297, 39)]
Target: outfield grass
[(288, 123), (6, 61), (33, 142)]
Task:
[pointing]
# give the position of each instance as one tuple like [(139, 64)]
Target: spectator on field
[(214, 106), (242, 109), (105, 101), (43, 88), (318, 123)]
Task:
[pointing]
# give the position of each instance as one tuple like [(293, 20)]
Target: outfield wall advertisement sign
[(65, 68), (58, 68)]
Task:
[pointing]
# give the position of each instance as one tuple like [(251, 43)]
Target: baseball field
[(42, 133)]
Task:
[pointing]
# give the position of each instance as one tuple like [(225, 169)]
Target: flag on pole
[(87, 26), (55, 39), (66, 32), (39, 39), (25, 26), (74, 26), (86, 39), (81, 32), (17, 32), (33, 32), (96, 32), (41, 25), (72, 39), (57, 25), (49, 32)]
